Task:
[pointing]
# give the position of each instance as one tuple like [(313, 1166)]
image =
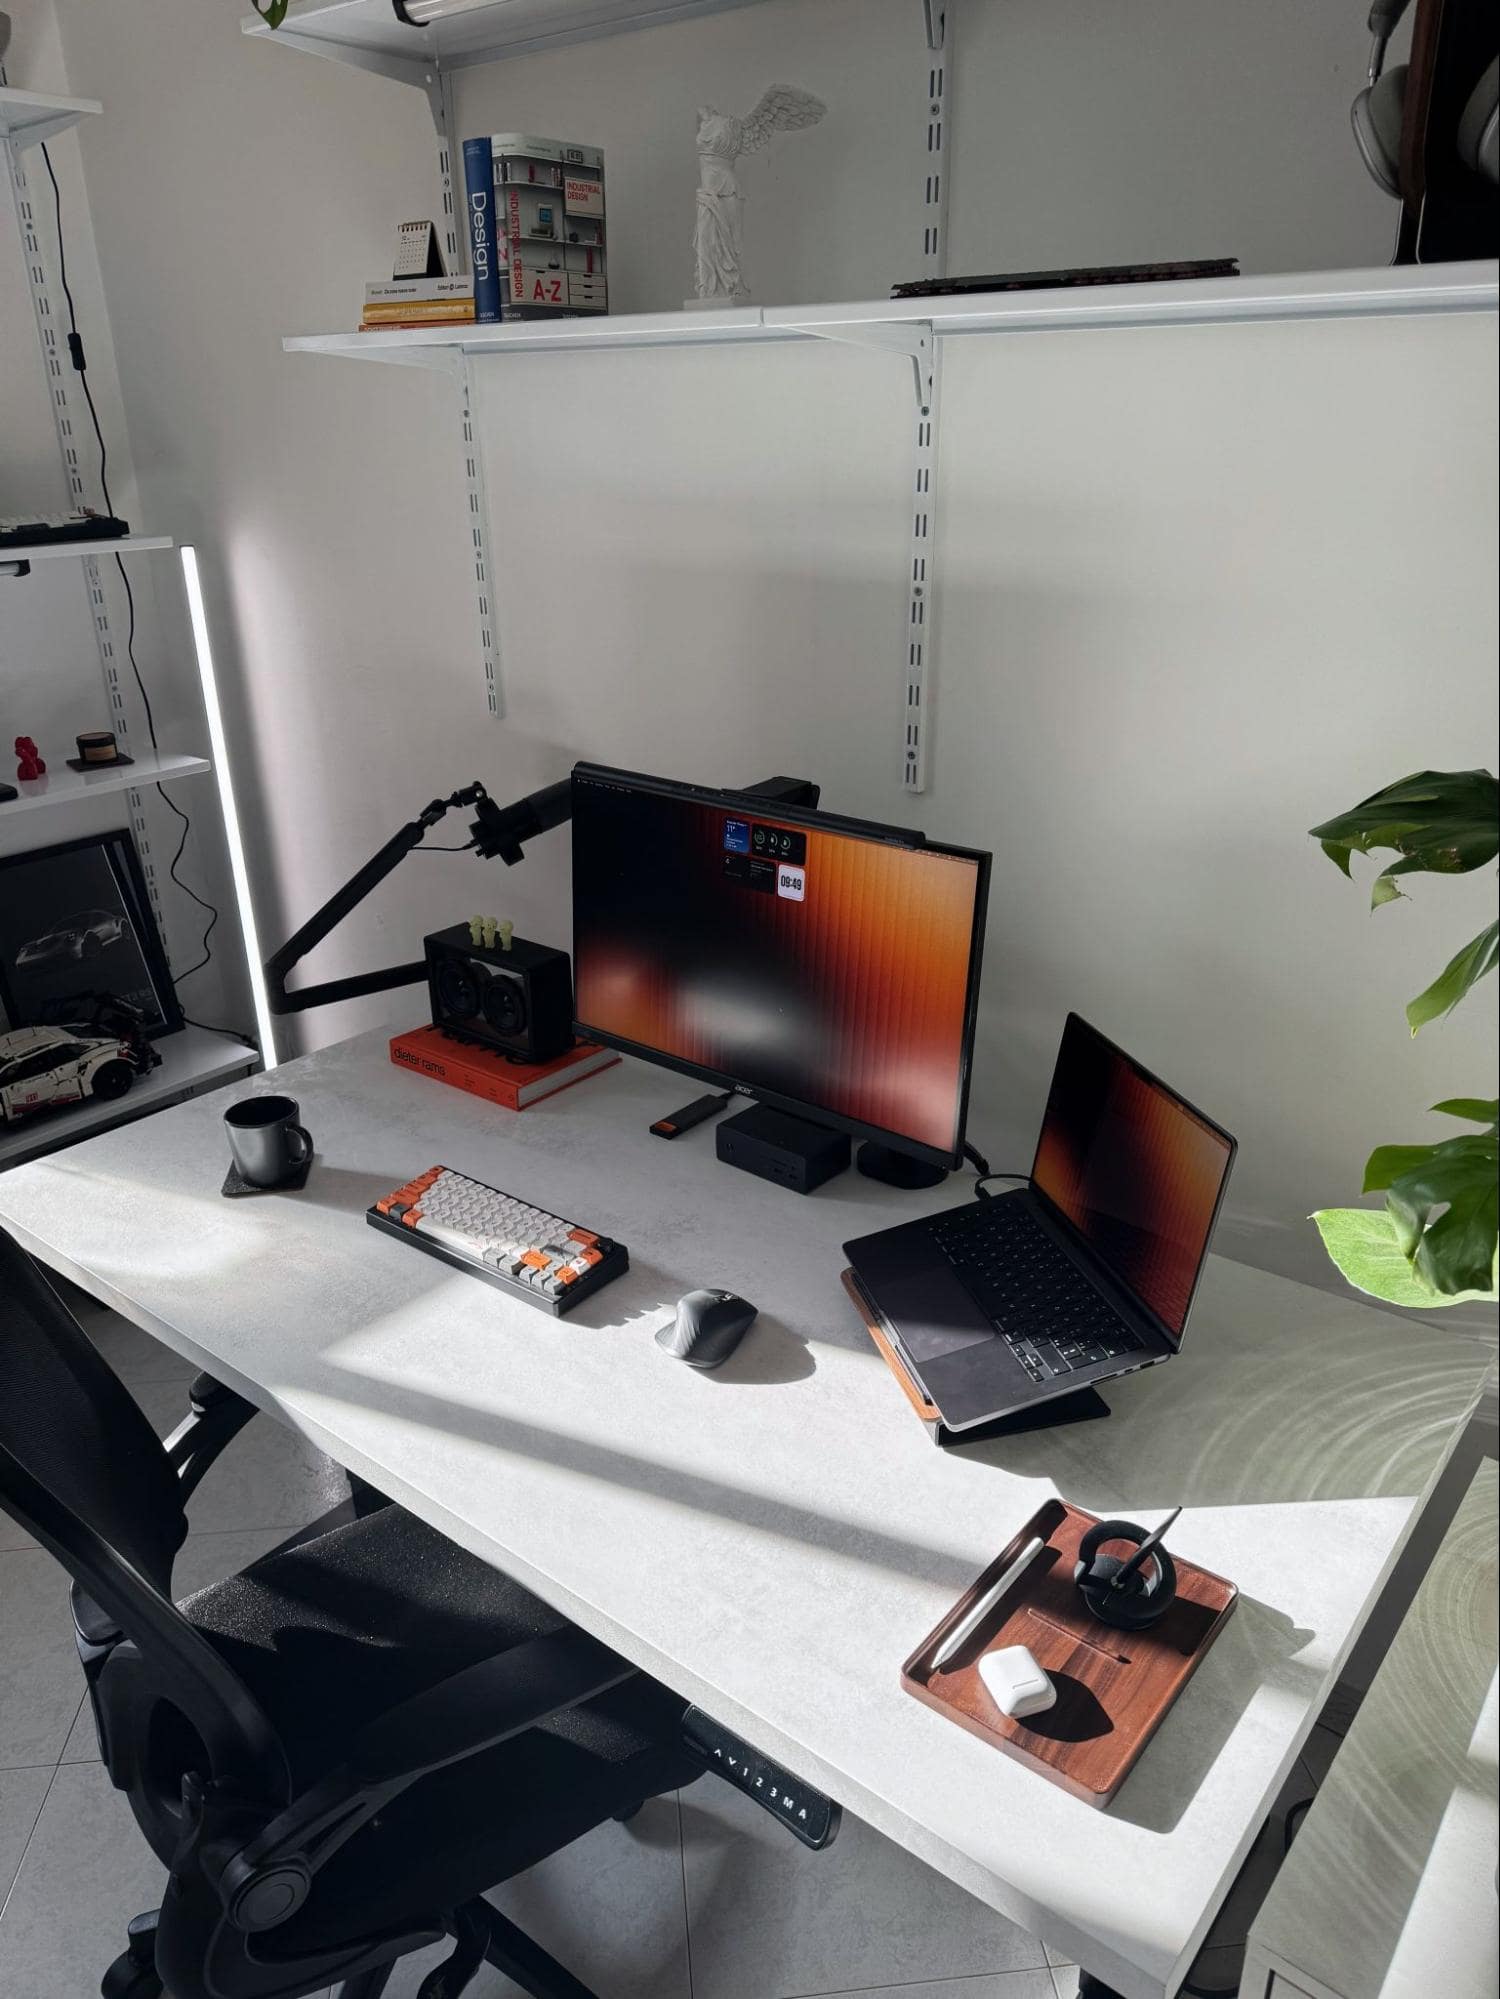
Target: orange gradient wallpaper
[(1137, 1171), (819, 966)]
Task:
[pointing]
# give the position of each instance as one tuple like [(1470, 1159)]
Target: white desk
[(771, 1540)]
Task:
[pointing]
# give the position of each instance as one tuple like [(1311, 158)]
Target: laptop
[(1087, 1272)]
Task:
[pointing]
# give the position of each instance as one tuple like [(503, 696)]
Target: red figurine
[(30, 764)]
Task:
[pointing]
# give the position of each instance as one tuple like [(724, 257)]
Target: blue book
[(484, 245)]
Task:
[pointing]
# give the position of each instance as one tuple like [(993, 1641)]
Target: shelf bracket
[(400, 69), (933, 12), (914, 339)]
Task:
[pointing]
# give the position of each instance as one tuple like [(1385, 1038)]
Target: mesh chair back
[(68, 1424)]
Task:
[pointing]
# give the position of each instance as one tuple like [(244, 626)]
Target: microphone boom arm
[(498, 832)]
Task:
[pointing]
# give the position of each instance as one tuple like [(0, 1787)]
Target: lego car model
[(45, 1067), (75, 939)]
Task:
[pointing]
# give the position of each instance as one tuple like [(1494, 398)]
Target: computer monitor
[(827, 967)]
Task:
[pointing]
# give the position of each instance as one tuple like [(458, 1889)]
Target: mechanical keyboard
[(552, 1263), (1038, 1300)]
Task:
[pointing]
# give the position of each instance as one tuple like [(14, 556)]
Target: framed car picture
[(76, 929)]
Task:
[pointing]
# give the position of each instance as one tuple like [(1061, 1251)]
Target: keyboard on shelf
[(33, 530), (1038, 1300), (552, 1263)]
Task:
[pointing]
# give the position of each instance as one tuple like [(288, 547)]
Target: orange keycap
[(584, 1236), (412, 1217), (567, 1276), (537, 1261)]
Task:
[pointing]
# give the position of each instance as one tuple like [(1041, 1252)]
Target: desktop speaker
[(509, 995)]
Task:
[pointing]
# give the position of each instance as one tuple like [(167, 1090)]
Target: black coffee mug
[(266, 1141)]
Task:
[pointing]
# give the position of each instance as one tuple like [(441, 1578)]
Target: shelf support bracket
[(914, 339)]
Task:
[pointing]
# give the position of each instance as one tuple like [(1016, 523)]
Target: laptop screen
[(1134, 1168)]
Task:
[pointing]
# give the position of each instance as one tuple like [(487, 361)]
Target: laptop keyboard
[(1034, 1295)]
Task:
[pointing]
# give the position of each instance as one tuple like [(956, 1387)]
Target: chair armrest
[(215, 1417), (484, 1704)]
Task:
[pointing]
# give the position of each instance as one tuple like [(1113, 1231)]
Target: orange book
[(431, 1051)]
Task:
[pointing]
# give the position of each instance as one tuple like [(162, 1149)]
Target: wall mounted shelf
[(71, 787), (368, 34), (1315, 295), (52, 551), (27, 117), (194, 1060)]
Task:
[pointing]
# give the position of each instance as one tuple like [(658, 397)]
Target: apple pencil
[(964, 1630)]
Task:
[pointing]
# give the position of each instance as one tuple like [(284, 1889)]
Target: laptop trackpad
[(932, 1313)]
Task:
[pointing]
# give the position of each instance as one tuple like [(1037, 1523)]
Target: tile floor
[(699, 1897)]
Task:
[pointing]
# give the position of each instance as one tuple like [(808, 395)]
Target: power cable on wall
[(80, 365)]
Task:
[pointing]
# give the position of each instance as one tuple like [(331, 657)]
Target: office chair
[(335, 1752)]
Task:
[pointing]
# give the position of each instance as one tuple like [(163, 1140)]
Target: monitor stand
[(897, 1169)]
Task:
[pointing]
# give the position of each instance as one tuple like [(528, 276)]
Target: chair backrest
[(82, 1470), (69, 1428)]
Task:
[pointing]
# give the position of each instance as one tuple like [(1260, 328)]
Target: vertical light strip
[(265, 1027)]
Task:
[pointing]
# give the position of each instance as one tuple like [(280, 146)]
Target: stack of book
[(536, 227), (426, 301)]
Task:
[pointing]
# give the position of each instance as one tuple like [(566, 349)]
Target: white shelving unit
[(192, 1061), (53, 551), (369, 34), (27, 117), (68, 787), (900, 324), (195, 1058)]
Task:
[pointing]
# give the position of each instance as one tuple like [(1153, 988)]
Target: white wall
[(1193, 595)]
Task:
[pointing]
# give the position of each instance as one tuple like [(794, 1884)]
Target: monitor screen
[(1134, 1168), (824, 966)]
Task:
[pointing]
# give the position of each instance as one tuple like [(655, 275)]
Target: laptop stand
[(1084, 1405)]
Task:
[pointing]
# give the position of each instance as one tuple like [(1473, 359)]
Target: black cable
[(981, 1188), (977, 1160), (80, 365), (432, 848)]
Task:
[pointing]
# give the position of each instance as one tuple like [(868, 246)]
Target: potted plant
[(1434, 1242)]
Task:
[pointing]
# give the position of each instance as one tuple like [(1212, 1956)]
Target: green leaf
[(1362, 1243), (272, 12), (1455, 1252), (1388, 1162), (1385, 890), (1339, 856), (1441, 822), (1479, 1110), (1448, 988)]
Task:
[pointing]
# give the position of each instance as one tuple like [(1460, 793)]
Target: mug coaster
[(235, 1188)]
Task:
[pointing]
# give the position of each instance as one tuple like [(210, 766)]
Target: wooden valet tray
[(1114, 1688)]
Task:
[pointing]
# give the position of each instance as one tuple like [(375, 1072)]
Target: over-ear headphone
[(1380, 108), (1129, 1591)]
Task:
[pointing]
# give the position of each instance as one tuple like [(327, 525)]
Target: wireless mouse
[(708, 1327)]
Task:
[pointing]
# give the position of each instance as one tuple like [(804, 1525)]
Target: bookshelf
[(1336, 295)]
